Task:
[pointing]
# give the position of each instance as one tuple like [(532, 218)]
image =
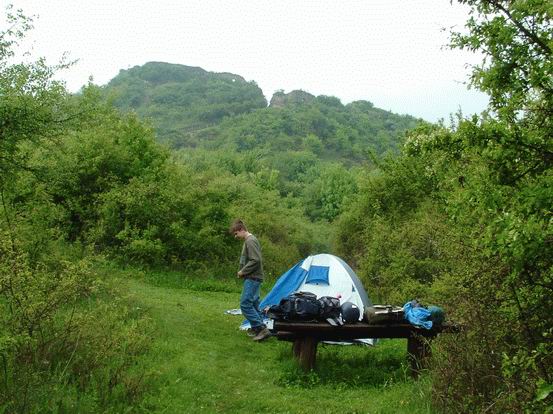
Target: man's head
[(238, 229)]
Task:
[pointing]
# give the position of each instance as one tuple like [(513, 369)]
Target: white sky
[(389, 52)]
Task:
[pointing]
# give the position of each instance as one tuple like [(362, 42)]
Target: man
[(251, 270)]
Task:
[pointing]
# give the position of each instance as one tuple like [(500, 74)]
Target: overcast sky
[(389, 52)]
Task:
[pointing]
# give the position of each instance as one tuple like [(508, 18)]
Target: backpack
[(386, 314), (304, 306), (330, 307), (297, 306)]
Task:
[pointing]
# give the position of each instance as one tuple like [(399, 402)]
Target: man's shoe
[(263, 334), (251, 333)]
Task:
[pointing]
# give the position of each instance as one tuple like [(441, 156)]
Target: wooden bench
[(307, 335)]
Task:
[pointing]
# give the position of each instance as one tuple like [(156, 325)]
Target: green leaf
[(543, 391)]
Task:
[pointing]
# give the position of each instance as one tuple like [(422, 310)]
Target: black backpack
[(304, 306), (330, 307), (297, 306)]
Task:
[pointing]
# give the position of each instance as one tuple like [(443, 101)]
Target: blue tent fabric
[(417, 315), (317, 274), (287, 284)]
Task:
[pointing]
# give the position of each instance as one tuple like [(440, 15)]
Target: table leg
[(418, 349), (308, 353), (296, 348)]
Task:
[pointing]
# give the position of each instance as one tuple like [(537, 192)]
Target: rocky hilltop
[(191, 107), (281, 99)]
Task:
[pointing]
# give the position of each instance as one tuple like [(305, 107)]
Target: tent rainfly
[(323, 275)]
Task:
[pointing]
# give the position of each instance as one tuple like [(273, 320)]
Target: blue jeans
[(249, 303)]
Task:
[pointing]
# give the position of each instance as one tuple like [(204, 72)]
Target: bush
[(62, 329)]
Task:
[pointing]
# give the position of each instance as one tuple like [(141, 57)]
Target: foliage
[(293, 140), (67, 340), (326, 193), (181, 98), (516, 39), (463, 217), (513, 212), (33, 107), (346, 133), (103, 151), (62, 330), (106, 182), (243, 191), (191, 107)]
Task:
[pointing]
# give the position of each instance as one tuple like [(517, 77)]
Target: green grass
[(200, 362)]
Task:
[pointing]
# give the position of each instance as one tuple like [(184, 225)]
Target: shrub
[(61, 329)]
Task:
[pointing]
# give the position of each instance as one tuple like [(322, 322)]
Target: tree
[(517, 73), (503, 162), (58, 337), (465, 212), (33, 106)]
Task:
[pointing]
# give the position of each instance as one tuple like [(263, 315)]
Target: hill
[(180, 99), (191, 107)]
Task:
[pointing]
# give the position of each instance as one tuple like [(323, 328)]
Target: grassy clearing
[(200, 362)]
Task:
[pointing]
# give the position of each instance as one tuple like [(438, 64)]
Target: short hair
[(237, 225)]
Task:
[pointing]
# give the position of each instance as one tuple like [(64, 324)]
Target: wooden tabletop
[(288, 330)]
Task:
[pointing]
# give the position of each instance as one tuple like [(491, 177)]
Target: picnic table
[(306, 336)]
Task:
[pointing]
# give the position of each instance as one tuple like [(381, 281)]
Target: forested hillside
[(190, 107), (300, 145), (182, 99), (136, 182)]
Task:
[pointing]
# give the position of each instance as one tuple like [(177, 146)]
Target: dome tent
[(323, 275)]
